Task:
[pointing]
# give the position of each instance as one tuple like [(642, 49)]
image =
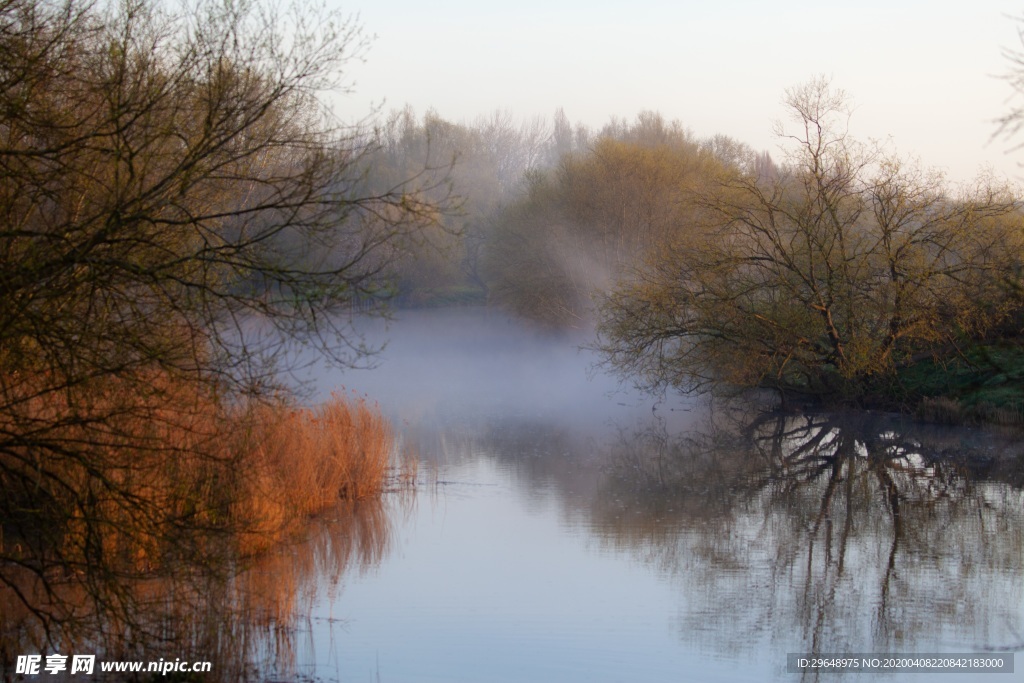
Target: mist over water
[(568, 528), (476, 363)]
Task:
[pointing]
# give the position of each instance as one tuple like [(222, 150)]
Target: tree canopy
[(822, 278), (581, 223)]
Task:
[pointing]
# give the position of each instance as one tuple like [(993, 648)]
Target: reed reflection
[(247, 617), (825, 533)]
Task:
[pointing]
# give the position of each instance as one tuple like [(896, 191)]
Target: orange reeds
[(109, 487), (129, 468), (301, 461)]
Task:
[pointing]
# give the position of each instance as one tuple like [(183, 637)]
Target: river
[(566, 528)]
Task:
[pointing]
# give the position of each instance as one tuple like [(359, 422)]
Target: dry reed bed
[(132, 474), (147, 481), (304, 460)]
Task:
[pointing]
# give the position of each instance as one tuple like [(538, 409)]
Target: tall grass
[(300, 461)]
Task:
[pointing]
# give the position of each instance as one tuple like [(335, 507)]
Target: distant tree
[(583, 223), (486, 162), (821, 277), (1009, 128), (561, 137)]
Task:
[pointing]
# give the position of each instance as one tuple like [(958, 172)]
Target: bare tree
[(177, 203), (822, 277)]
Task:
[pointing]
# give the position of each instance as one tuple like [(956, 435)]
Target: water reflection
[(562, 534), (249, 618), (567, 526), (751, 534), (825, 532)]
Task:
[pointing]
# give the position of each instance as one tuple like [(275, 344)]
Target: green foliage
[(984, 377)]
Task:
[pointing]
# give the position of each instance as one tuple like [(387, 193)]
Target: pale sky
[(923, 74)]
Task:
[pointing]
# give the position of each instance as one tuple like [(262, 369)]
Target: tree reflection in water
[(826, 532), (245, 616)]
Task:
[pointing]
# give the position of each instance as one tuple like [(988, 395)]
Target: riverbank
[(982, 385)]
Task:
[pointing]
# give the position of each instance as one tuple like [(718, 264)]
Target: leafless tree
[(177, 203), (821, 277)]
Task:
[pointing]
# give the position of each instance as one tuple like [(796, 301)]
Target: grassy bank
[(984, 384)]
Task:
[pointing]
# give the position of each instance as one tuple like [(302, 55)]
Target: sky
[(924, 77)]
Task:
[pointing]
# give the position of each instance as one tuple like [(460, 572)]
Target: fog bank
[(475, 362)]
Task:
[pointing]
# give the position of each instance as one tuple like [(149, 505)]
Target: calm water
[(567, 530)]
